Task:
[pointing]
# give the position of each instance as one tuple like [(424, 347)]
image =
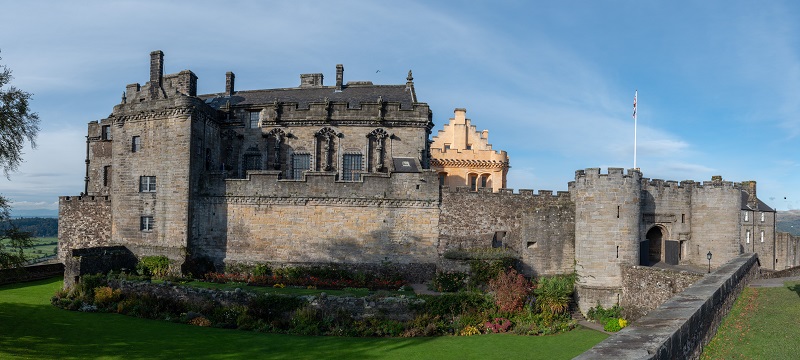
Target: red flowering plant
[(498, 325)]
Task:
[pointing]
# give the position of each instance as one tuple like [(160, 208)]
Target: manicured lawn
[(763, 324), (31, 328)]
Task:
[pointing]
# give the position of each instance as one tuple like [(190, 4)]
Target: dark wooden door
[(672, 251)]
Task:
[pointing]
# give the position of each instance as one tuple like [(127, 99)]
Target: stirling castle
[(344, 174)]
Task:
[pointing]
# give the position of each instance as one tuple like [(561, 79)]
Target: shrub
[(600, 314), (612, 325), (104, 295), (270, 307), (483, 271), (553, 295), (449, 281), (498, 325), (305, 321), (262, 270), (156, 266), (479, 254), (200, 321), (469, 330), (450, 305), (510, 291)]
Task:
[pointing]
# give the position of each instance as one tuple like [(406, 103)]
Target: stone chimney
[(339, 76), (750, 187), (310, 80), (156, 68), (229, 77)]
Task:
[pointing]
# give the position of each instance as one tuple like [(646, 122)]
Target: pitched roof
[(759, 205), (353, 94)]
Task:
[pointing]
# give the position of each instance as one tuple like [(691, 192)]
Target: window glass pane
[(352, 167), (252, 162), (300, 163), (136, 143), (254, 119), (146, 223)]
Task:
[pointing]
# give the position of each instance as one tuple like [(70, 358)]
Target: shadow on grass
[(32, 328), (795, 288)]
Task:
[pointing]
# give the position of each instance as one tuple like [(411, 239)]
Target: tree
[(17, 124)]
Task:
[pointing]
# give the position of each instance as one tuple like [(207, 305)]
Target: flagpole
[(635, 121)]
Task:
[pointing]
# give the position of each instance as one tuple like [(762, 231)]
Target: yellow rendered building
[(463, 156)]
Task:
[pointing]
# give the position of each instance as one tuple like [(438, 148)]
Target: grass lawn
[(763, 324), (31, 328)]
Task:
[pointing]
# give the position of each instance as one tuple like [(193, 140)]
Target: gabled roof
[(353, 94), (759, 205)]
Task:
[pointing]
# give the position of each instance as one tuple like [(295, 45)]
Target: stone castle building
[(462, 156), (345, 174)]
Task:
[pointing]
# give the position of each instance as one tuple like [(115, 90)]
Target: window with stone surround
[(252, 162), (136, 144), (147, 184), (351, 169), (747, 236), (146, 223), (762, 216), (762, 236), (300, 164), (473, 182), (746, 216), (254, 118), (105, 132)]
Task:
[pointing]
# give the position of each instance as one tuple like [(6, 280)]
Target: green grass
[(30, 328), (763, 324)]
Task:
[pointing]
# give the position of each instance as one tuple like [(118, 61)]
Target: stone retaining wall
[(681, 327), (30, 273), (645, 288), (790, 272)]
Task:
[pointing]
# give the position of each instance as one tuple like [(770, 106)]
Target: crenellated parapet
[(506, 192)]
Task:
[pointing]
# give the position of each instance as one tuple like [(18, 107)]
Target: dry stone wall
[(645, 288)]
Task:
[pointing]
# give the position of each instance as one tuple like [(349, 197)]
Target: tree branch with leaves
[(17, 124)]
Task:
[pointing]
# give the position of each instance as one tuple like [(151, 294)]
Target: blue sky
[(552, 81)]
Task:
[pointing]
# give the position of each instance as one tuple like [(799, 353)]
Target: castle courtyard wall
[(540, 228)]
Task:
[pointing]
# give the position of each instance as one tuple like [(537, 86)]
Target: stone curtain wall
[(786, 250), (539, 227), (318, 220), (83, 222), (681, 327), (645, 288)]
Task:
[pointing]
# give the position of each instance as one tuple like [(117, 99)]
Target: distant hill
[(789, 221), (38, 227)]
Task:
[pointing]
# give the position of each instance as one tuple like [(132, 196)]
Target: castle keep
[(345, 174)]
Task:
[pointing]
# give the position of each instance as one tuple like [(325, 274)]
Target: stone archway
[(655, 236)]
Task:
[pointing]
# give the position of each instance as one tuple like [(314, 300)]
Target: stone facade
[(645, 288), (463, 156), (343, 174)]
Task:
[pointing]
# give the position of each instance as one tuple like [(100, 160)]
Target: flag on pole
[(635, 95)]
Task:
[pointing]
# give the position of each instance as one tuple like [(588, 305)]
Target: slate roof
[(354, 95), (759, 206)]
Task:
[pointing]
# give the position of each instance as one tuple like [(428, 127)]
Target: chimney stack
[(339, 76), (229, 78), (156, 68)]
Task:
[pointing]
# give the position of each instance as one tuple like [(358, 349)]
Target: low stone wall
[(30, 273), (645, 288), (790, 272), (389, 307), (681, 327)]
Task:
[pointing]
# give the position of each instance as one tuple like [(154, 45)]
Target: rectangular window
[(105, 132), (351, 170), (683, 218), (106, 175), (762, 236), (747, 236), (254, 117), (484, 180), (146, 223), (473, 182), (442, 178), (469, 146), (446, 147), (762, 216), (300, 163), (147, 184), (746, 216), (136, 144), (252, 162)]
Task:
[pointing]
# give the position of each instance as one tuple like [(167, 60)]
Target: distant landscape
[(789, 221)]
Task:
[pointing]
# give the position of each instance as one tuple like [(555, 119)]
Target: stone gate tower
[(607, 218)]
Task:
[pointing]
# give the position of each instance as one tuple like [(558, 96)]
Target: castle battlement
[(84, 198), (504, 192)]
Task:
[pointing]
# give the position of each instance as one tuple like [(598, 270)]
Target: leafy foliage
[(510, 289), (156, 266), (553, 295), (450, 281)]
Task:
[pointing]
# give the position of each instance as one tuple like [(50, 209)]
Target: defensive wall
[(30, 273), (540, 228), (644, 288), (682, 326), (378, 220)]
